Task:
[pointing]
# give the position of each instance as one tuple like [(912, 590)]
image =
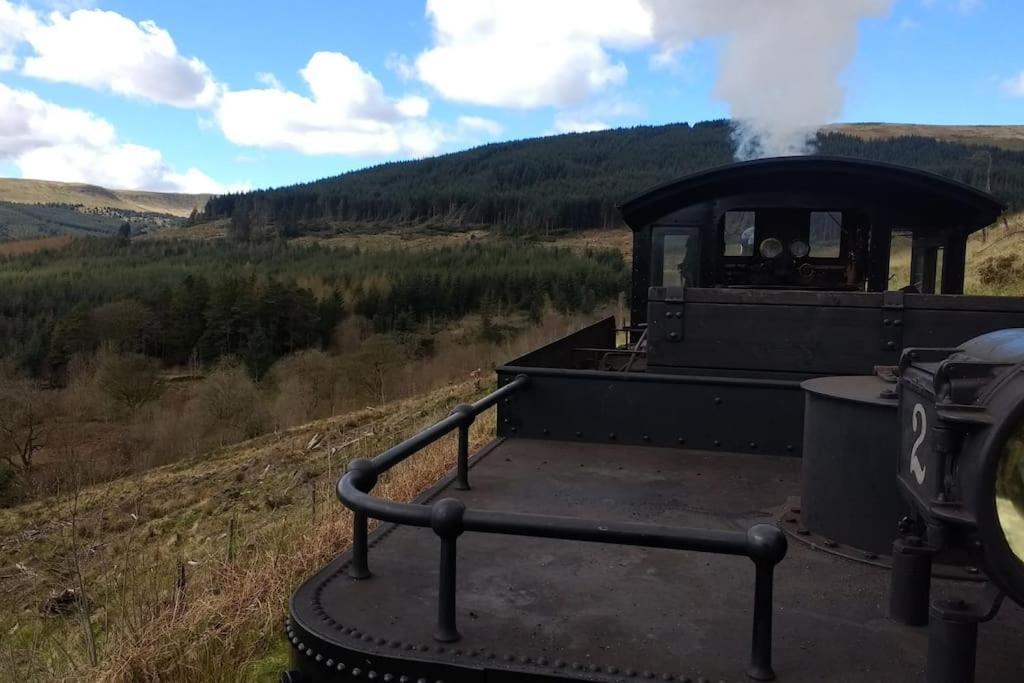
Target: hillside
[(187, 568), (23, 191), (570, 182), (41, 221), (1006, 137)]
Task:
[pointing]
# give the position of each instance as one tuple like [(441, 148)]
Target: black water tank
[(851, 441)]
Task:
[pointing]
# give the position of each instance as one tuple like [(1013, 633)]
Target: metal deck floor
[(524, 603)]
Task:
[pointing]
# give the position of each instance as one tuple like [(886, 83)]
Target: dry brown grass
[(1009, 137), (19, 247), (135, 534)]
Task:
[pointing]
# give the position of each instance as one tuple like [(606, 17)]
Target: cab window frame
[(659, 233)]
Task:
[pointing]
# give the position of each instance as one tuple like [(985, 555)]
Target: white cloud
[(569, 124), (414, 106), (270, 80), (667, 57), (400, 65), (529, 53), (15, 21), (51, 142), (478, 124), (596, 116), (104, 51), (347, 113), (1014, 87)]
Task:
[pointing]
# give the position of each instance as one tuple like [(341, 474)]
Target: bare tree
[(129, 381), (22, 412), (371, 367)]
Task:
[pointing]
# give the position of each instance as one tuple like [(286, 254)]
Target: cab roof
[(872, 182)]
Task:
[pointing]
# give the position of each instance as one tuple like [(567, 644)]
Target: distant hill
[(1007, 137), (574, 181), (23, 191), (31, 209)]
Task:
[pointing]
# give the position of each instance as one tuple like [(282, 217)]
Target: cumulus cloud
[(1014, 87), (537, 53), (781, 61), (346, 112), (529, 53), (104, 51), (51, 142), (15, 22), (107, 51)]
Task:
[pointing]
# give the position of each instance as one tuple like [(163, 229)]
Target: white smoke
[(781, 62)]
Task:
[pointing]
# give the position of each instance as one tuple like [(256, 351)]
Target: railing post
[(364, 478), (446, 520), (359, 568), (760, 668), (462, 464), (767, 546)]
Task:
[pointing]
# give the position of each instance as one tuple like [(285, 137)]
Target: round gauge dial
[(771, 248), (799, 248)]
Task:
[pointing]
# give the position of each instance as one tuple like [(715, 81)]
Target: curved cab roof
[(876, 182)]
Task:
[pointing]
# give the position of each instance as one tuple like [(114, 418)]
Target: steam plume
[(781, 62)]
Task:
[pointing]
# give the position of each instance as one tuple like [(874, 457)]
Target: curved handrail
[(764, 544)]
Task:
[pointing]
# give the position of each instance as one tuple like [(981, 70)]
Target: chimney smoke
[(781, 62)]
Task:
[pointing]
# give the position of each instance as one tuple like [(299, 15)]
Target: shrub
[(228, 406), (127, 381)]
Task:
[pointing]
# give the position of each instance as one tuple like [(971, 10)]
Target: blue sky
[(219, 95)]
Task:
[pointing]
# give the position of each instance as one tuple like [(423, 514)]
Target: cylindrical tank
[(851, 442)]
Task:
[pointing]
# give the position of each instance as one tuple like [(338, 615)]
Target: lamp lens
[(1010, 492)]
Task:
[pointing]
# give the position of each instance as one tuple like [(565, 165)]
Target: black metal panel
[(808, 339), (851, 442), (813, 333), (710, 413)]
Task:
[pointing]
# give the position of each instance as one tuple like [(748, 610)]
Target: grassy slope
[(22, 191), (133, 536), (1008, 137)]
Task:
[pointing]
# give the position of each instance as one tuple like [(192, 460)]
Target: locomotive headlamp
[(961, 467), (771, 248), (961, 464)]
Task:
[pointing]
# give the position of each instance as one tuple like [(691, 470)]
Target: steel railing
[(764, 544)]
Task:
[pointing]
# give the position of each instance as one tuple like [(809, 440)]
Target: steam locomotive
[(786, 467)]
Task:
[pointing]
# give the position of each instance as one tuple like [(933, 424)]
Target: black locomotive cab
[(803, 448)]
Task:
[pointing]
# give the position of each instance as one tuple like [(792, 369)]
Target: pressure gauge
[(771, 248)]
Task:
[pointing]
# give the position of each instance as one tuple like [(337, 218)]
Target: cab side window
[(675, 257)]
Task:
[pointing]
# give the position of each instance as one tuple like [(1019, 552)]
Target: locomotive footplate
[(543, 609)]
